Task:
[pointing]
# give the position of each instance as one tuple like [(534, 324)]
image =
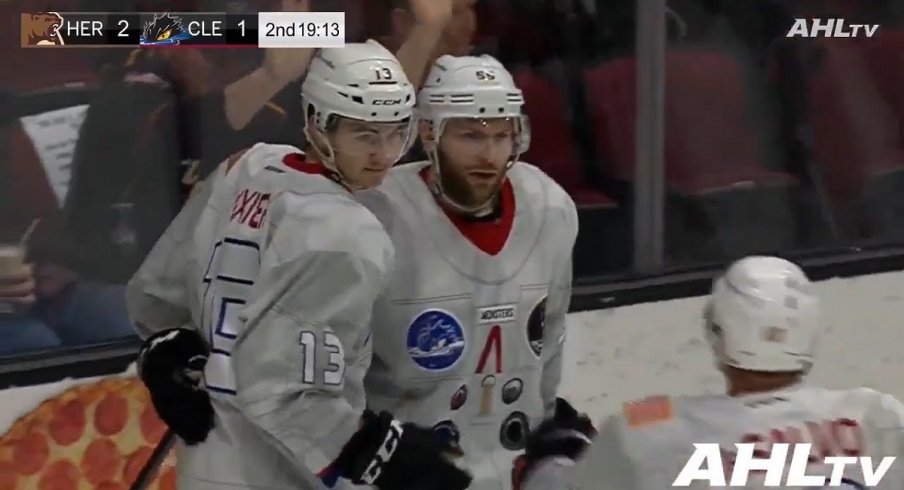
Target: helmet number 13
[(383, 73)]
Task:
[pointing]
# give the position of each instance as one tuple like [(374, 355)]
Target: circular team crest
[(536, 324), (435, 340)]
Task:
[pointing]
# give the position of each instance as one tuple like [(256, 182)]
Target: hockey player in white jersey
[(468, 335), (264, 285), (763, 323)]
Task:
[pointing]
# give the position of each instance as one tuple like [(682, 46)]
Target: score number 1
[(241, 29)]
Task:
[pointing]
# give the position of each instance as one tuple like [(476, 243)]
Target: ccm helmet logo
[(387, 101)]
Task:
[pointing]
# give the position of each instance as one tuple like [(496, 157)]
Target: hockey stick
[(150, 468)]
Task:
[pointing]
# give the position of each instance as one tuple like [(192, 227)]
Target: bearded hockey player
[(263, 287), (468, 335), (763, 322)]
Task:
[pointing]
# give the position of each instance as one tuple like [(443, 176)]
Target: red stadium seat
[(721, 201), (552, 147), (856, 138), (709, 143), (885, 54), (611, 101), (603, 223)]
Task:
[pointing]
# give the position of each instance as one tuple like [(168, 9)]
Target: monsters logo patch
[(435, 340), (536, 325), (165, 29)]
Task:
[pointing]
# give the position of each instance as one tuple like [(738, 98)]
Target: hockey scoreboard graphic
[(197, 29)]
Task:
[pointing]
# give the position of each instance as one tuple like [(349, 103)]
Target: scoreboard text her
[(196, 29)]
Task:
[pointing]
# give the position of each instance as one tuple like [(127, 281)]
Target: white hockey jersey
[(466, 340), (646, 446), (278, 268)]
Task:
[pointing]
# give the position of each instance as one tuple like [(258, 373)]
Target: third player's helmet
[(361, 81), (763, 316)]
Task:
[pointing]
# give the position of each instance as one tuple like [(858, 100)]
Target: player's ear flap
[(312, 118), (317, 139), (711, 331), (425, 131)]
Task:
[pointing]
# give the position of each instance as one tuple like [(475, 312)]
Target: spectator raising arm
[(416, 54), (245, 97)]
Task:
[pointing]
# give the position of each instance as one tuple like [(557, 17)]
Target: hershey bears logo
[(42, 29)]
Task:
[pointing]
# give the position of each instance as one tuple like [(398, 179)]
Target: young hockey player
[(263, 286), (762, 322), (468, 335)]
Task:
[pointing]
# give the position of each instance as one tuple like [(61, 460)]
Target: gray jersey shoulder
[(391, 194), (667, 433), (555, 195), (327, 216), (335, 223)]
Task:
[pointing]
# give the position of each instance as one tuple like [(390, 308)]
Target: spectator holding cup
[(19, 332)]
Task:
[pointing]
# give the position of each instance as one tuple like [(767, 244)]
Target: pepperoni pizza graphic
[(94, 436)]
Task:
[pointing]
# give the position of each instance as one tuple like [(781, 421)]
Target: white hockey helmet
[(361, 81), (763, 316), (475, 87)]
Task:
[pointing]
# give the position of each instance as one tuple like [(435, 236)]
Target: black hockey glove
[(566, 434), (171, 365), (391, 455)]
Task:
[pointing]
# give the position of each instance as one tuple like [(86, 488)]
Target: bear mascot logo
[(42, 29)]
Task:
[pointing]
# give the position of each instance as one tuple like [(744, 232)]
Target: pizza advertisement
[(91, 434)]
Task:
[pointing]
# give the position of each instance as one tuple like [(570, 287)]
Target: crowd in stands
[(772, 144)]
